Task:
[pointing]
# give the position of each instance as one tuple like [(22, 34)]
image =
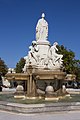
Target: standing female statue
[(42, 29)]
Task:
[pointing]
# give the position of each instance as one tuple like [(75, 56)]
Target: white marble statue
[(32, 57), (56, 58), (33, 52), (41, 54), (42, 29)]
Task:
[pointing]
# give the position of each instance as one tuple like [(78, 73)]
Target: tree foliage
[(70, 64), (3, 67), (20, 65), (77, 71)]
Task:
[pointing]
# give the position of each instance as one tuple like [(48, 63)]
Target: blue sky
[(18, 19)]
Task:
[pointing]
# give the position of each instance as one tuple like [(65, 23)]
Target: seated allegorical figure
[(32, 55), (33, 52), (54, 56)]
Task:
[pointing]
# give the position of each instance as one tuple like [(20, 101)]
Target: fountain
[(43, 66)]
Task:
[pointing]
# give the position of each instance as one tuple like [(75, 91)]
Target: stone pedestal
[(43, 53), (31, 87), (31, 83), (44, 47)]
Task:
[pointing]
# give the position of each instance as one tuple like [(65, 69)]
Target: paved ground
[(45, 116), (49, 116)]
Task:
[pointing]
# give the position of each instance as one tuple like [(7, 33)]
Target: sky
[(18, 19)]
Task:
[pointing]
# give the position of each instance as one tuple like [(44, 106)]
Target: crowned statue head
[(43, 15)]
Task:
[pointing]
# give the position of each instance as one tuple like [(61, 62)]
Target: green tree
[(3, 67), (20, 65), (77, 71), (70, 64)]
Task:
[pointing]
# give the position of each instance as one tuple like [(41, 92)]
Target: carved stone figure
[(33, 52), (42, 29), (56, 58), (32, 57)]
